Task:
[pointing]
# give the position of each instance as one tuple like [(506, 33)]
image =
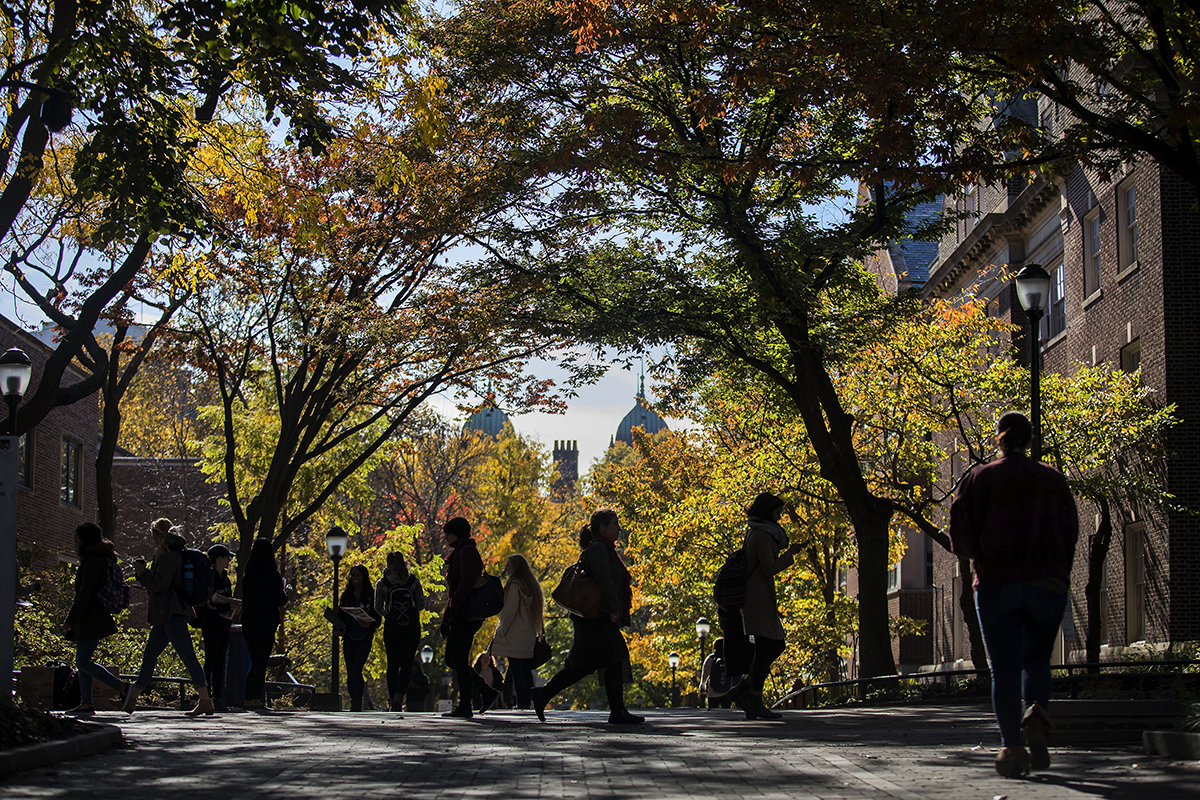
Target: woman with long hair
[(168, 615), (521, 622), (88, 621), (357, 612), (463, 568), (598, 642), (263, 597), (767, 554)]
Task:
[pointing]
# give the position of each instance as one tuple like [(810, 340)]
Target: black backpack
[(402, 605), (718, 679), (729, 587), (199, 580)]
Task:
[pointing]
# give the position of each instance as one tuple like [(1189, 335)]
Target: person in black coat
[(463, 569), (399, 599), (359, 597), (88, 621), (598, 642), (214, 619), (263, 598)]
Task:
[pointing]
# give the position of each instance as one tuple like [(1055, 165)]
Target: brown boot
[(1013, 762), (1036, 726)]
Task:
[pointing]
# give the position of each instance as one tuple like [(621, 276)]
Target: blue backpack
[(199, 579)]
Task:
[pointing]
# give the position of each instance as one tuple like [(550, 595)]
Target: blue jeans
[(1020, 623), (175, 630), (89, 670)]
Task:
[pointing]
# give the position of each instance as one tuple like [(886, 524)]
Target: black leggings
[(260, 641), (765, 652), (458, 658), (401, 646), (216, 650), (613, 683)]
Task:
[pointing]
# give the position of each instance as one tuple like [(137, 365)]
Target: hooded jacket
[(88, 620), (164, 582)]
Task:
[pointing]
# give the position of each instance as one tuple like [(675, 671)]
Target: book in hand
[(359, 614)]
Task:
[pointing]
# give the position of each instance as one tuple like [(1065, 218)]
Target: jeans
[(175, 630), (89, 670), (765, 652), (356, 652), (1020, 623), (521, 670), (458, 658), (400, 644)]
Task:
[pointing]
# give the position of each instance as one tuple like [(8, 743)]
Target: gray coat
[(760, 614)]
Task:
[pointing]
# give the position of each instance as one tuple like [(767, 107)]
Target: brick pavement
[(908, 754)]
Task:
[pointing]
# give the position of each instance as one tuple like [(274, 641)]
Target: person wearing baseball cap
[(214, 619)]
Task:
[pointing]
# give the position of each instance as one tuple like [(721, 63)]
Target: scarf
[(777, 533), (626, 578)]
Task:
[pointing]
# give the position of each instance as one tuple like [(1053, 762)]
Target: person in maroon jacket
[(1016, 519), (464, 567)]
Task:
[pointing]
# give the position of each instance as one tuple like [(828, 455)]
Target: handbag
[(541, 651), (578, 592), (485, 600)]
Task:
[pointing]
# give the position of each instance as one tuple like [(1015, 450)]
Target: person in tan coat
[(520, 624), (767, 554)]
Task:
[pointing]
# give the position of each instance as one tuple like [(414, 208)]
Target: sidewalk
[(909, 753)]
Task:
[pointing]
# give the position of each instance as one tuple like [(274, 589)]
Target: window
[(1091, 252), (894, 577), (843, 576), (1055, 321), (972, 204), (72, 470), (1135, 583), (1127, 227), (1131, 356), (25, 460), (928, 561)]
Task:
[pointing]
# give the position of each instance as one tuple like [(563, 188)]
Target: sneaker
[(1013, 762), (622, 716), (1036, 726), (490, 696), (540, 699), (82, 710), (462, 712)]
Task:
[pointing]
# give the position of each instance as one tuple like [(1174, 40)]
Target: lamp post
[(703, 626), (431, 695), (426, 655), (1033, 289), (336, 542), (673, 660), (15, 371)]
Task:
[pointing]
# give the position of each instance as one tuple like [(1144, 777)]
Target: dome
[(488, 420), (640, 416)]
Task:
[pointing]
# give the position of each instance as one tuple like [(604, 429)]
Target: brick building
[(1121, 251), (57, 477)]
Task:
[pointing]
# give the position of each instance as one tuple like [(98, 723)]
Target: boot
[(540, 697), (740, 696), (461, 711), (1036, 724), (205, 706), (1013, 762), (622, 716), (758, 710), (397, 702), (129, 698)]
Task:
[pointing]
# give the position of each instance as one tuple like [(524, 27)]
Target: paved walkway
[(911, 754)]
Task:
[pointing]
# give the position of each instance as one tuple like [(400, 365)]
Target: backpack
[(729, 586), (401, 606), (718, 679), (199, 580), (114, 594)]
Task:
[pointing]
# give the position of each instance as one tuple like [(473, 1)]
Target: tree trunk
[(110, 430), (1101, 543), (871, 530)]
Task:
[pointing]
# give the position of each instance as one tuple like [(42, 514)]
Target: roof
[(640, 416)]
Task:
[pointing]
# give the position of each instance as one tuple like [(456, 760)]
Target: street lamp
[(1033, 290), (673, 660), (336, 542), (426, 655), (703, 626), (15, 369)]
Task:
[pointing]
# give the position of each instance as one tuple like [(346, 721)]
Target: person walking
[(168, 615), (598, 642), (399, 600), (88, 621), (489, 670), (715, 682), (521, 621), (214, 619), (767, 555), (1016, 519), (463, 568), (357, 612), (264, 596)]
